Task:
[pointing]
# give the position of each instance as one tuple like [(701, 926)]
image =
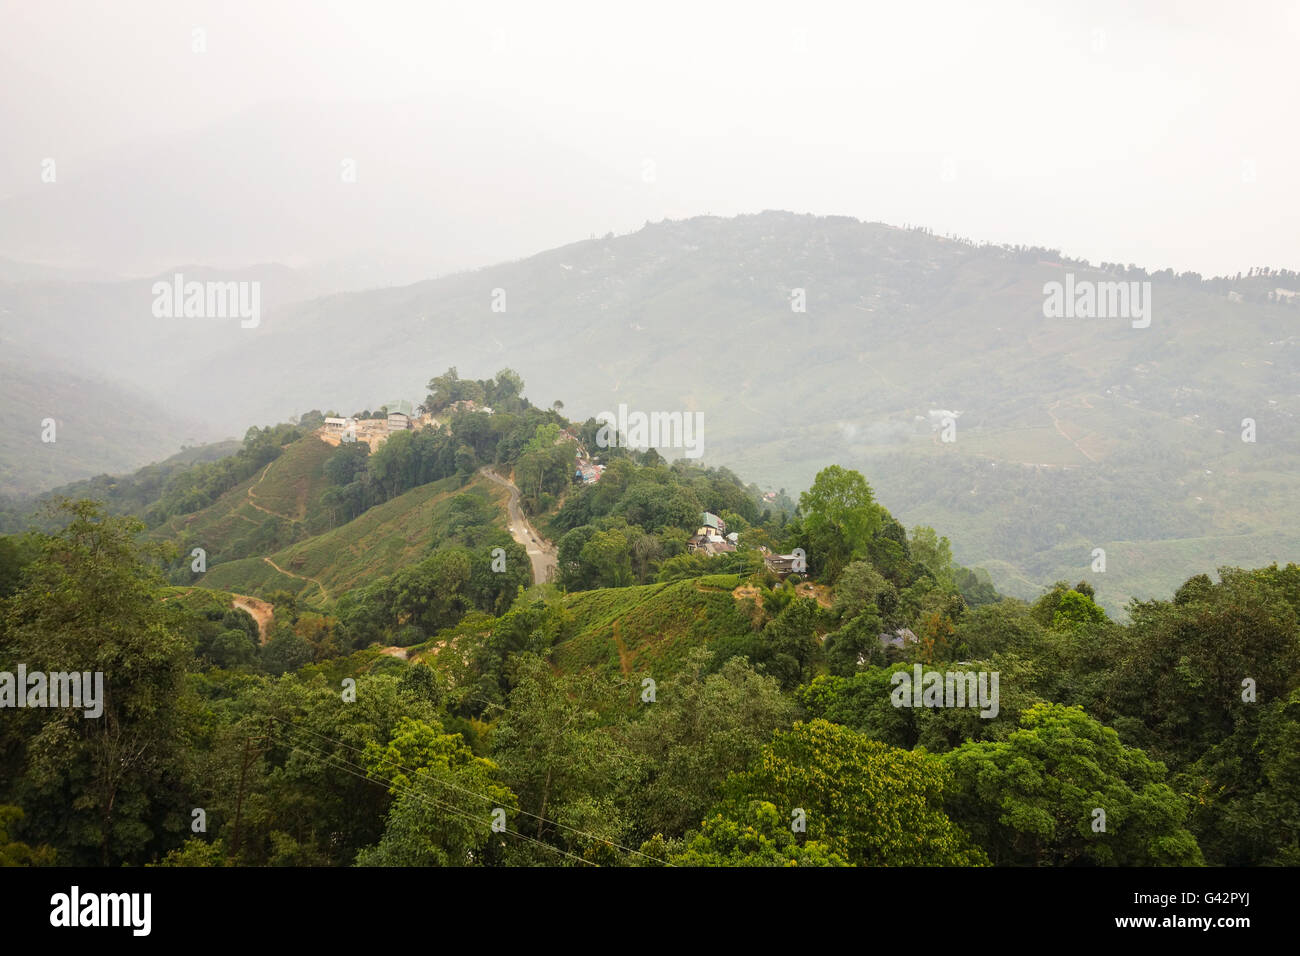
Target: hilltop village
[(394, 417), (710, 538)]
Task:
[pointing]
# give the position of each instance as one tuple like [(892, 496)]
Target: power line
[(540, 819), (364, 774)]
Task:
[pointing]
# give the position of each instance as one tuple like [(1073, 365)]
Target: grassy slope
[(322, 567), (272, 509), (198, 599), (649, 627)]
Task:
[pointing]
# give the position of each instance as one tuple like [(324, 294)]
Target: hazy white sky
[(1160, 133)]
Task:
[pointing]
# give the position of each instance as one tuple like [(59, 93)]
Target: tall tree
[(90, 603), (840, 516), (558, 755)]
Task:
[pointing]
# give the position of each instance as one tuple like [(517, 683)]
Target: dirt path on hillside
[(253, 502), (261, 612), (540, 551), (324, 593)]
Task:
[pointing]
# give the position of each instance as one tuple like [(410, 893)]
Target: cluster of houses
[(402, 416), (712, 538), (396, 422)]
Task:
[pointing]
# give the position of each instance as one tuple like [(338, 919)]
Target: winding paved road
[(540, 551)]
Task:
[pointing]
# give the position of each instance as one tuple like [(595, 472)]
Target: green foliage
[(700, 728), (307, 796), (855, 644), (761, 837), (15, 554), (840, 515), (1186, 664), (193, 489), (530, 699), (13, 853), (195, 852), (975, 586), (655, 508), (1032, 799), (606, 554), (531, 629), (545, 464), (270, 509), (859, 588), (503, 393), (557, 753), (788, 644), (934, 554), (385, 539), (415, 603), (88, 603), (286, 652), (863, 702), (872, 804), (445, 797), (652, 627), (1075, 609), (1245, 790), (1046, 606), (703, 567), (727, 582)]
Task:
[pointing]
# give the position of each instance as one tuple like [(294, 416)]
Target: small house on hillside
[(784, 565), (711, 537)]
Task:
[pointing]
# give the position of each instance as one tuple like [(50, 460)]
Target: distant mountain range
[(1071, 435)]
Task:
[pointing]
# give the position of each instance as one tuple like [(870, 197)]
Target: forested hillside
[(361, 670)]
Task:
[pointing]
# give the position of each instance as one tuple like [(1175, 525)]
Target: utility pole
[(243, 773)]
